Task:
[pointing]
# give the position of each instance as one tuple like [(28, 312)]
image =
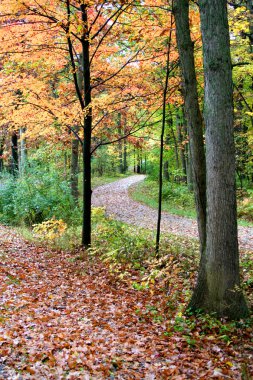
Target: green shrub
[(116, 241), (178, 194), (245, 206), (177, 199), (39, 195)]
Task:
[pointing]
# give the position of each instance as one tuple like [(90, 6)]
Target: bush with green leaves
[(177, 199), (117, 242), (39, 195), (245, 205)]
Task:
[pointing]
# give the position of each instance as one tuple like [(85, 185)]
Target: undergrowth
[(126, 251), (178, 200), (167, 280)]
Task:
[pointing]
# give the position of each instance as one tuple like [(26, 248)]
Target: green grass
[(178, 200), (103, 180)]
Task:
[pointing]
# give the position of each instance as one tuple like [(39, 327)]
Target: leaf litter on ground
[(62, 318)]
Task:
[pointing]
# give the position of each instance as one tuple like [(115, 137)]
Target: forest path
[(114, 197)]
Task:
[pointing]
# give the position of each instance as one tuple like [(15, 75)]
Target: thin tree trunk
[(134, 160), (166, 171), (170, 124), (138, 166), (120, 146), (218, 288), (189, 169), (86, 229), (124, 149), (74, 166), (23, 151), (175, 146), (141, 166), (187, 154), (166, 174), (14, 153), (1, 154), (159, 216), (125, 156), (85, 103)]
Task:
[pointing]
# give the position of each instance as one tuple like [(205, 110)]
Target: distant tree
[(14, 153), (1, 153)]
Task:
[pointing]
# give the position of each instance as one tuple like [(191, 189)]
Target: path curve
[(114, 197)]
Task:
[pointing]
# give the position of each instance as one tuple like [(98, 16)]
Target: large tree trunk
[(193, 115), (218, 289)]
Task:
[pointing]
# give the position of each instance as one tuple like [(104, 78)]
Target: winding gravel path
[(114, 197)]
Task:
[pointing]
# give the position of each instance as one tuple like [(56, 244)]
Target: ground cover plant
[(179, 200), (44, 191)]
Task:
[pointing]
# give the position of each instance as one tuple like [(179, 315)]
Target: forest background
[(91, 91)]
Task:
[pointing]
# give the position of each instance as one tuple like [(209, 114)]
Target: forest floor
[(117, 202), (68, 315), (62, 318)]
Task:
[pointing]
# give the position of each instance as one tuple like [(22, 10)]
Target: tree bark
[(187, 153), (120, 146), (125, 154), (166, 85), (166, 176), (138, 162), (189, 169), (23, 150), (218, 288), (74, 167), (86, 229), (180, 138), (14, 153), (193, 115), (1, 154)]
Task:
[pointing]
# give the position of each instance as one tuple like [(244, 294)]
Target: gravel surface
[(114, 197)]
